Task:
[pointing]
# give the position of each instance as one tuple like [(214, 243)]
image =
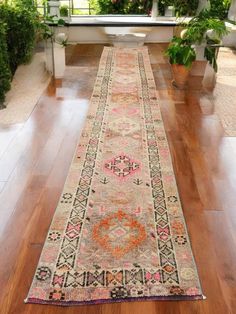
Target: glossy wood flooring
[(34, 161)]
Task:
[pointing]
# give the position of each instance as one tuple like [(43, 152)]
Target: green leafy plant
[(210, 53), (21, 34), (139, 7), (186, 7), (219, 8), (18, 29), (47, 27), (64, 10), (121, 6), (181, 52), (196, 33), (182, 7), (198, 26), (48, 24), (5, 73)]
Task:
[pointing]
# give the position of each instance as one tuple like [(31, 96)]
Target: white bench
[(127, 36)]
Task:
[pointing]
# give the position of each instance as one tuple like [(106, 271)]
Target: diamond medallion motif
[(124, 126), (122, 166), (119, 233)]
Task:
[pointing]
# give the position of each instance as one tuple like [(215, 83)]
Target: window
[(99, 7)]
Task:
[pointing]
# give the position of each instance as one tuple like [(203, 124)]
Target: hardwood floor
[(35, 158)]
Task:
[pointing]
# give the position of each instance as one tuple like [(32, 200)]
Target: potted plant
[(205, 32), (181, 56), (55, 43), (166, 8), (64, 12), (169, 11)]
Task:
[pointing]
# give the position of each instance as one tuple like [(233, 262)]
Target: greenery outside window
[(219, 8), (120, 7)]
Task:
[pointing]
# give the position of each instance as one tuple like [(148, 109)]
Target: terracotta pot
[(180, 74)]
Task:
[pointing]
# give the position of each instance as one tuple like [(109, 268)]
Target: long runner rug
[(118, 232)]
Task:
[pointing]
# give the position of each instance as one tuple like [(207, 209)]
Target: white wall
[(96, 34)]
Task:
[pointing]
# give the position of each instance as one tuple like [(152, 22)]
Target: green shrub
[(5, 73), (27, 4), (196, 33), (21, 33), (186, 7), (219, 8), (182, 7), (139, 7), (64, 10), (198, 26), (18, 28), (122, 6), (109, 7)]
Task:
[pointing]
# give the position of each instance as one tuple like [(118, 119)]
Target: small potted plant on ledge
[(166, 8), (181, 56), (64, 12)]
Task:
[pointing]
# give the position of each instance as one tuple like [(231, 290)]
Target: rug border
[(106, 301), (73, 156), (177, 186)]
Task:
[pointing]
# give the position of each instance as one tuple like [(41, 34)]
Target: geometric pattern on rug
[(122, 166), (118, 232)]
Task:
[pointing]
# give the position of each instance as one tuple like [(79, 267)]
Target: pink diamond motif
[(72, 234), (118, 232), (122, 166)]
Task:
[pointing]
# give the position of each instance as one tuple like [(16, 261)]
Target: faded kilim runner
[(118, 232)]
